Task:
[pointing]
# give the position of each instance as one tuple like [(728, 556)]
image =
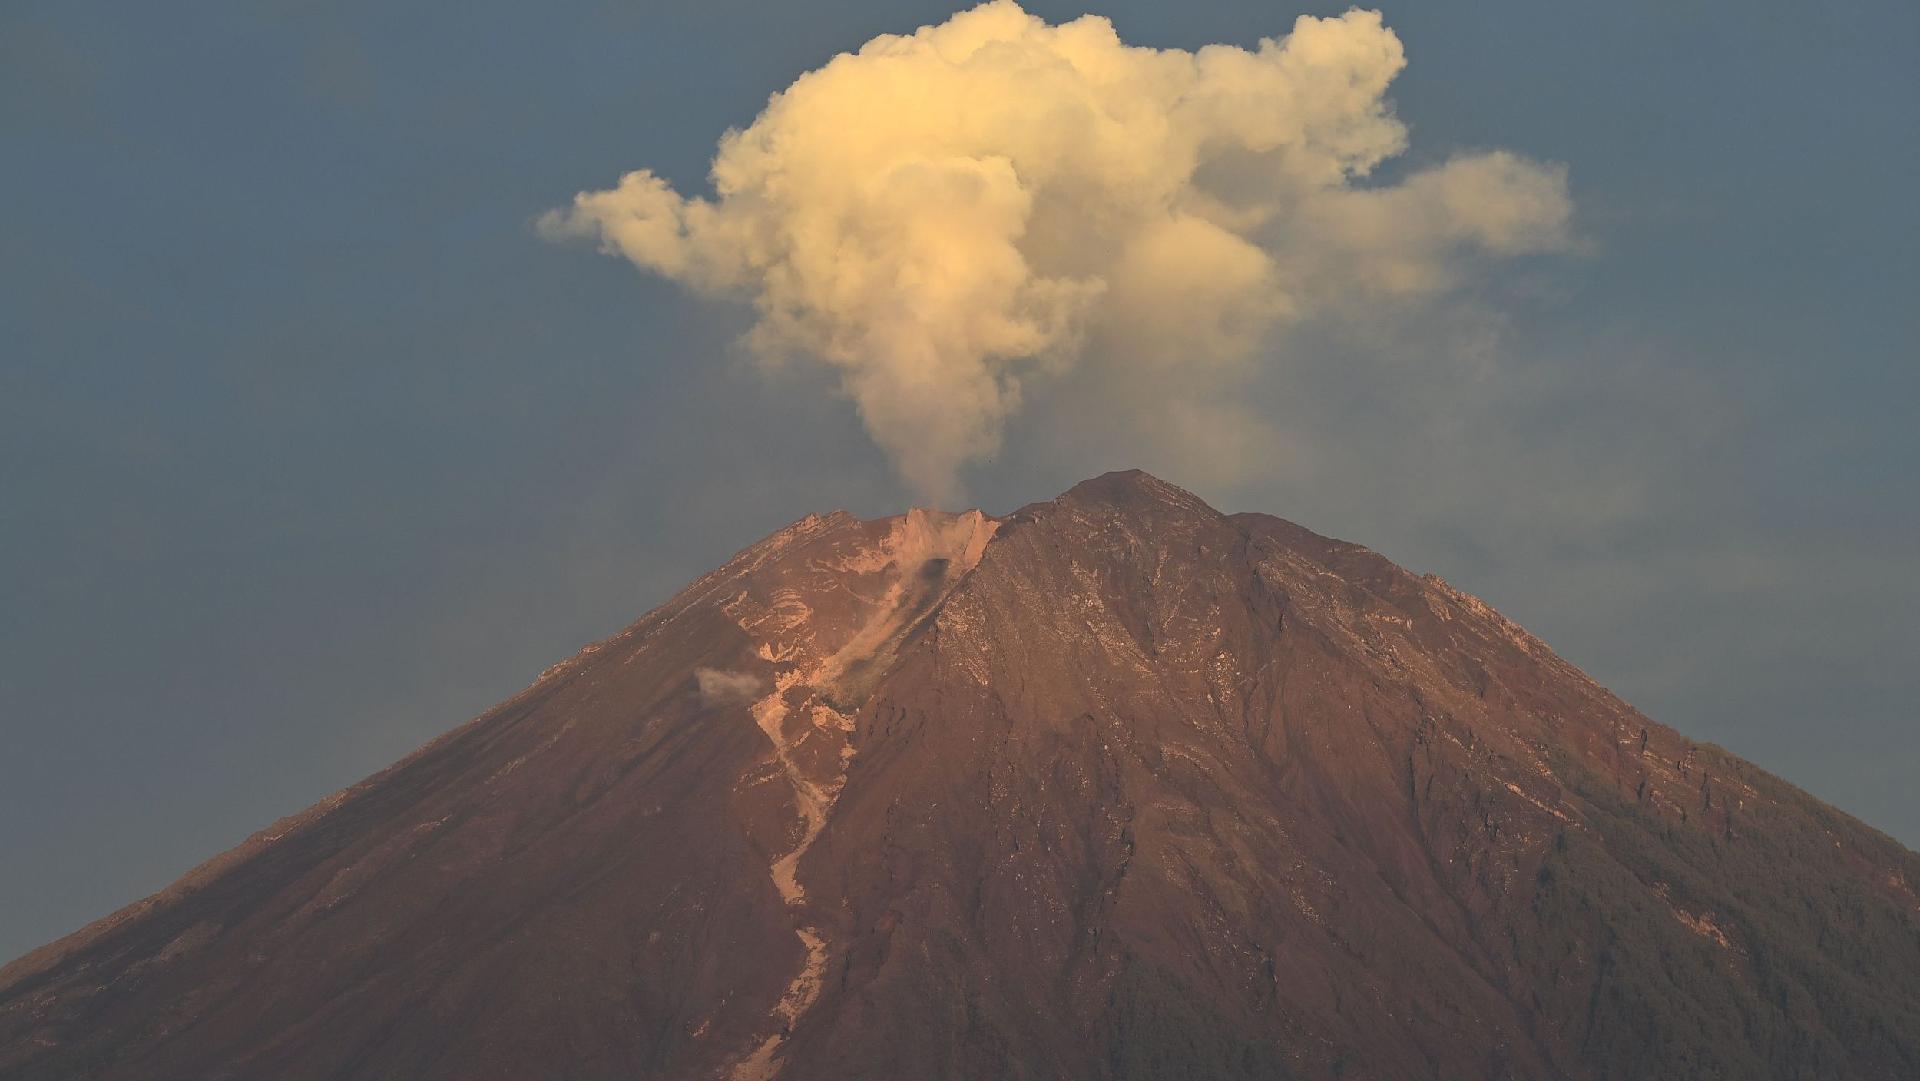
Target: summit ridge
[(1115, 786)]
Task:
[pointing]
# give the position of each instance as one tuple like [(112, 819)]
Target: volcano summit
[(1114, 787)]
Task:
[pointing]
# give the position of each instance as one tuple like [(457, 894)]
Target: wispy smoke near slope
[(724, 687), (944, 216)]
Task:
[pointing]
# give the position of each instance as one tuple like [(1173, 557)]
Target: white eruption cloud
[(946, 216)]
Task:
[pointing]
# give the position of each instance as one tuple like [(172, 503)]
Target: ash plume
[(944, 217)]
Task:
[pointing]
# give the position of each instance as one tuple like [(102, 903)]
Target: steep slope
[(1115, 787)]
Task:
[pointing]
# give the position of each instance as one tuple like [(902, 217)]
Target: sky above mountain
[(317, 446)]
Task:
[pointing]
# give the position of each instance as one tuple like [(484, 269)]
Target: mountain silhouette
[(1114, 787)]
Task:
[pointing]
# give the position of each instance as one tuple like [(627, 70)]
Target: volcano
[(1113, 787)]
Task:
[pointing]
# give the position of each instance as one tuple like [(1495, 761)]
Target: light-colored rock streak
[(813, 800), (788, 634)]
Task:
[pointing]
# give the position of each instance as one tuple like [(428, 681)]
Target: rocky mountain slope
[(1115, 787)]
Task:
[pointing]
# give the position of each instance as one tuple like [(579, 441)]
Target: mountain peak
[(1130, 486), (1112, 783), (1126, 494)]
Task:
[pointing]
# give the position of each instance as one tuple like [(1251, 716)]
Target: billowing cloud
[(945, 216)]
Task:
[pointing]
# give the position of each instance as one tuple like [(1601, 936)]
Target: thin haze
[(316, 448)]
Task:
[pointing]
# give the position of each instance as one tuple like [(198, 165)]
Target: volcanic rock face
[(1114, 787)]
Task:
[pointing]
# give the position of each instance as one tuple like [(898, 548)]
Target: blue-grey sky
[(314, 448)]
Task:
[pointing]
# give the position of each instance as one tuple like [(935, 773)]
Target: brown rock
[(1114, 787)]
